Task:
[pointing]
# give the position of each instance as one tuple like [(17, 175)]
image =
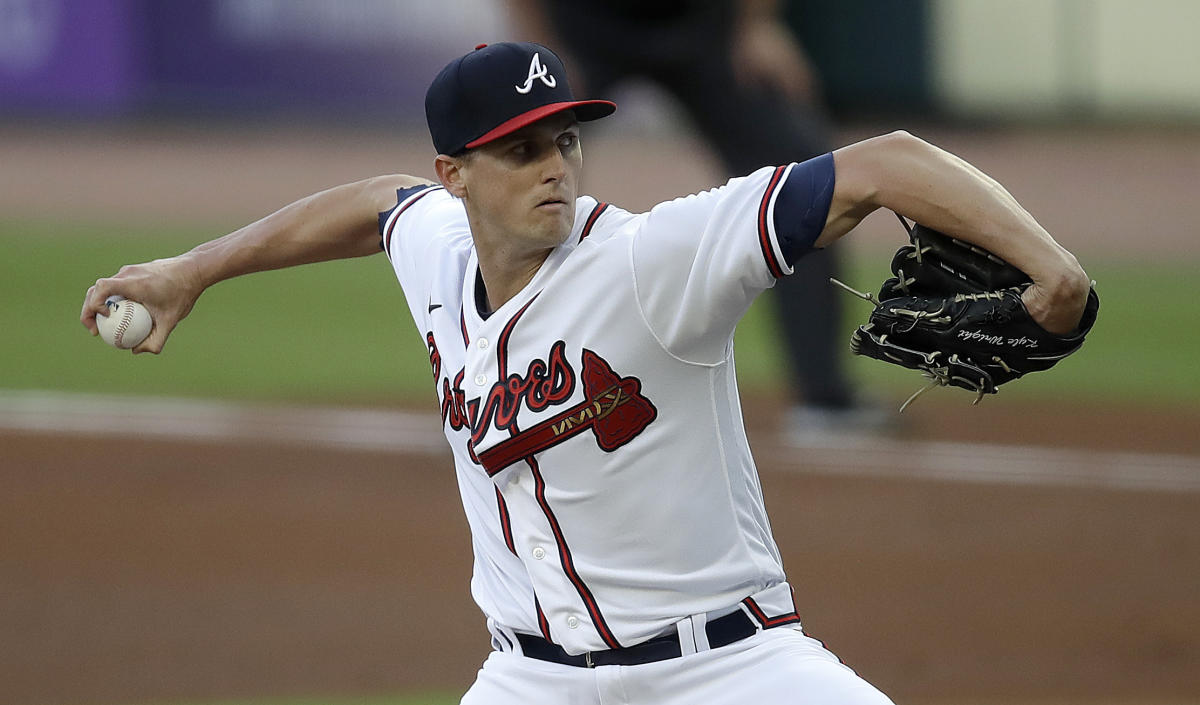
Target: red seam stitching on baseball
[(126, 319)]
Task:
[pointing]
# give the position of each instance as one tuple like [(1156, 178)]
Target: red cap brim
[(585, 110)]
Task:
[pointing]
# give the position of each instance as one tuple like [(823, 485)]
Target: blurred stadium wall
[(368, 61), (353, 60)]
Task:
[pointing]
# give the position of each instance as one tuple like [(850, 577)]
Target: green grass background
[(340, 332)]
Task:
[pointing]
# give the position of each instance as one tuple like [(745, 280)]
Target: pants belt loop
[(503, 638), (700, 634), (687, 636)]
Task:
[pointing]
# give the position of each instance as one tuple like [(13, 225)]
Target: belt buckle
[(587, 659)]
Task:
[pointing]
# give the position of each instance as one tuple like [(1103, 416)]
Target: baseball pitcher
[(583, 362)]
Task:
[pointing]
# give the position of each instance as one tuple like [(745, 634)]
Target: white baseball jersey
[(594, 417)]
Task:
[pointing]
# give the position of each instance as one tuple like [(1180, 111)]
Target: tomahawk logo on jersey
[(600, 404)]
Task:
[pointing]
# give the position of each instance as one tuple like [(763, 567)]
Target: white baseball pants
[(774, 666)]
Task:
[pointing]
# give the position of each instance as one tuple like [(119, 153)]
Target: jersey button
[(483, 344), (573, 622), (480, 379), (539, 553)]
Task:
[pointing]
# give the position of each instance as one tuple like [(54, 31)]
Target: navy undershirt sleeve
[(402, 195), (803, 205)]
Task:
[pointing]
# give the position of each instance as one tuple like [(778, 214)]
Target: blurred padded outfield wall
[(368, 61)]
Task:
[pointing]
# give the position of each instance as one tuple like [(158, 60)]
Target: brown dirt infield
[(198, 571), (1103, 193)]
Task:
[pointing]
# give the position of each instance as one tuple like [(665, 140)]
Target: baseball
[(127, 324)]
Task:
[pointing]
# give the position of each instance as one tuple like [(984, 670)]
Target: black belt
[(722, 631)]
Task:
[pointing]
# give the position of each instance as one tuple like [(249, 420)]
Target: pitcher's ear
[(450, 173)]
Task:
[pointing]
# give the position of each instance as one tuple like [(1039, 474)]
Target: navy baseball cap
[(498, 89)]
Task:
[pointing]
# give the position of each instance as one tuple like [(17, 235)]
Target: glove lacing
[(939, 376)]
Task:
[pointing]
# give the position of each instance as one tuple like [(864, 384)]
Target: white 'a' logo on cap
[(536, 70)]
